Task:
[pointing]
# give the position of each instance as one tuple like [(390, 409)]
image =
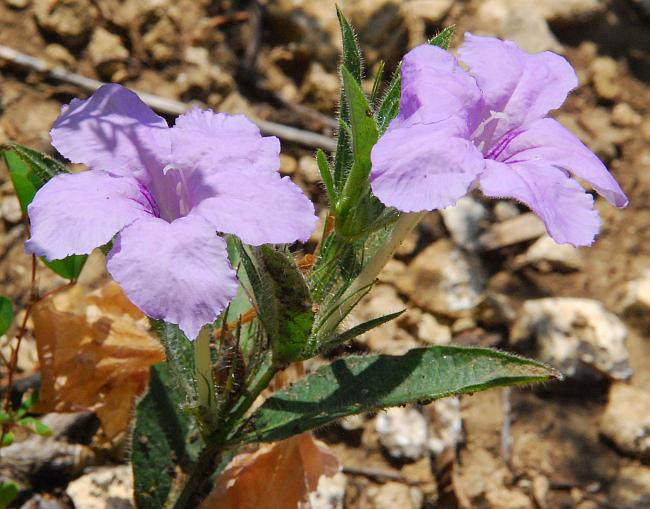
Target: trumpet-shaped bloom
[(489, 127), (165, 192)]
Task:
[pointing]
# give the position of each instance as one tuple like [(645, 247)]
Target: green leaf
[(389, 106), (30, 399), (7, 439), (364, 137), (29, 171), (443, 39), (326, 175), (69, 267), (376, 84), (352, 59), (362, 329), (353, 62), (8, 493), (165, 442), (6, 314), (35, 425), (359, 384)]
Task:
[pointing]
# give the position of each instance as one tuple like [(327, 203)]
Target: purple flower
[(165, 192), (489, 126)]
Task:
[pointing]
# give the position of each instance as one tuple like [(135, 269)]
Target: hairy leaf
[(359, 384), (29, 171), (165, 443)]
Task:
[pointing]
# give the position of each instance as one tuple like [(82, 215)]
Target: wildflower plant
[(196, 221)]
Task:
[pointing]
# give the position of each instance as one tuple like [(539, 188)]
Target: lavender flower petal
[(178, 271), (564, 206), (424, 166), (75, 213), (522, 86), (258, 207), (434, 88), (214, 142), (547, 140), (114, 131)]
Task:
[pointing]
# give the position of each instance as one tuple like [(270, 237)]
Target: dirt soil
[(277, 59)]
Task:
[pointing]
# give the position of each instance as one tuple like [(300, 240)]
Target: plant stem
[(209, 458), (403, 227), (198, 476)]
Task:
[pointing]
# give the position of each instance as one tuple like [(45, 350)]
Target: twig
[(161, 104), (506, 436)]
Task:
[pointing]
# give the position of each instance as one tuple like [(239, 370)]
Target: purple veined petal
[(547, 140), (435, 87), (521, 85), (564, 206), (178, 271), (213, 142), (258, 207), (423, 167), (75, 213), (114, 131)]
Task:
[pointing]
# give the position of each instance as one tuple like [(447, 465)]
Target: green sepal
[(353, 215), (368, 383)]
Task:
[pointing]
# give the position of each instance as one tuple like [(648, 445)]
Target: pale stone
[(444, 279), (626, 421), (547, 255), (577, 336), (463, 220), (402, 432)]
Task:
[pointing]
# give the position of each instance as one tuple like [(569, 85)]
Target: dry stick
[(161, 104)]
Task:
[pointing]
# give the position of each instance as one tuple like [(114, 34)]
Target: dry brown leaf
[(276, 476), (95, 352)]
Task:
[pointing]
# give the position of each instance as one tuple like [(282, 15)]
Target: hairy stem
[(403, 227), (196, 483)]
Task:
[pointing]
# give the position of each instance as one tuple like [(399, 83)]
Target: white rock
[(547, 255), (521, 228), (330, 493), (393, 495), (430, 11), (431, 331), (517, 21), (444, 279), (577, 336), (104, 488), (508, 499), (504, 210), (623, 115), (605, 76), (389, 338), (626, 420), (463, 221), (446, 424), (10, 209), (308, 168), (636, 303), (403, 432)]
